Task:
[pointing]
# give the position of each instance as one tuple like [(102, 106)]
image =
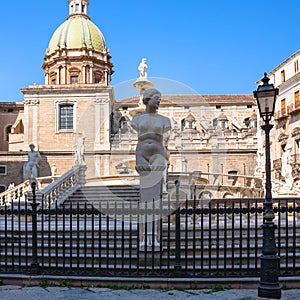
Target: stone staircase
[(109, 247), (88, 234), (104, 198)]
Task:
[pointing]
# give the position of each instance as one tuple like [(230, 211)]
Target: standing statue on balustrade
[(79, 151), (33, 163)]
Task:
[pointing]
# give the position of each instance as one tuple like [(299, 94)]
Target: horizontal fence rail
[(189, 238)]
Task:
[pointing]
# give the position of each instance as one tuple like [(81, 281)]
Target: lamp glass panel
[(266, 102)]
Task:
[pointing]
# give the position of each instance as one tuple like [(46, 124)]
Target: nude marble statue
[(152, 129), (33, 163), (151, 162)]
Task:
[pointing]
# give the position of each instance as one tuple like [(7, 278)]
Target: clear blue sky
[(212, 46)]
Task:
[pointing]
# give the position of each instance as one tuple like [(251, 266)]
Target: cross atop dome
[(78, 7)]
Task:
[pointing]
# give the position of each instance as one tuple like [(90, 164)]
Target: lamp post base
[(269, 284), (268, 291)]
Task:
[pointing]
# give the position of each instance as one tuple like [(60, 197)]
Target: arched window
[(7, 132), (215, 122), (182, 124)]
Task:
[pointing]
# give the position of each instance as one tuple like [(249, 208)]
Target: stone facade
[(210, 133), (200, 139), (286, 77)]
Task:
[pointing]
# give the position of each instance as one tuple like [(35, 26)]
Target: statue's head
[(148, 94), (31, 146)]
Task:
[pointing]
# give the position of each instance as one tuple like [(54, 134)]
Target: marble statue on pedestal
[(33, 163), (53, 170), (142, 68), (79, 151), (142, 83), (286, 168), (151, 160)]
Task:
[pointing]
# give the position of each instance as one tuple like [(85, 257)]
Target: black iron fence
[(189, 237)]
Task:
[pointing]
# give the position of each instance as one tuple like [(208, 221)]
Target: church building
[(76, 104)]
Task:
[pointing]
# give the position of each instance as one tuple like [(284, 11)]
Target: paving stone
[(9, 287), (65, 293)]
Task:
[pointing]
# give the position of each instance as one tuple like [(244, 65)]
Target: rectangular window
[(3, 170), (283, 107), (297, 99), (66, 116), (296, 66), (76, 7), (74, 79), (282, 76), (230, 173)]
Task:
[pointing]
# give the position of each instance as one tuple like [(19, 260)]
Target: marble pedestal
[(151, 181)]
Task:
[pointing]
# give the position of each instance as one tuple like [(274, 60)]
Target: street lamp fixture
[(266, 97), (269, 285)]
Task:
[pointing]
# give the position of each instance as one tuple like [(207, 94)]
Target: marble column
[(91, 74), (106, 164), (97, 103), (35, 104), (26, 124), (64, 71), (84, 74)]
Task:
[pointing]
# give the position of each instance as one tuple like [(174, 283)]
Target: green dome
[(75, 33)]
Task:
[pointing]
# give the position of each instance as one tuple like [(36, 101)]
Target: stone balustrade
[(60, 190)]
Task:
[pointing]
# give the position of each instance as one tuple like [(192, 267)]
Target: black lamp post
[(269, 285)]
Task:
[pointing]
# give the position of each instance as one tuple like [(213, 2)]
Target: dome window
[(53, 78), (98, 77)]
